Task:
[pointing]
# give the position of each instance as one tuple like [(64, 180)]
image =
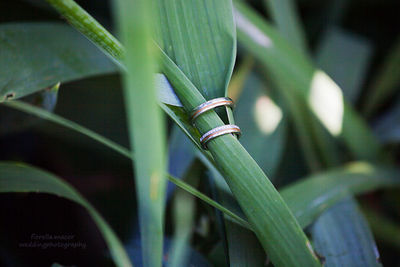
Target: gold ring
[(211, 104), (218, 131)]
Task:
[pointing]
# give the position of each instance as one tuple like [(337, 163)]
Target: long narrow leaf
[(341, 235), (297, 77), (118, 148), (386, 81), (18, 177), (284, 14), (90, 28), (41, 54), (146, 127), (200, 37), (308, 197), (345, 57)]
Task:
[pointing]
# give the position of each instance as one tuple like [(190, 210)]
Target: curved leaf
[(299, 81), (342, 237), (18, 177), (39, 55), (284, 14), (308, 197), (200, 37)]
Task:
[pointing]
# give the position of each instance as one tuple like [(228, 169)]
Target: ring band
[(218, 131), (211, 104)]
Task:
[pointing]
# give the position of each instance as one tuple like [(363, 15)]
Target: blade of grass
[(242, 245), (44, 114), (90, 28), (345, 57), (274, 224), (21, 106), (284, 15), (343, 238), (41, 54), (386, 126), (253, 192), (385, 82), (244, 248), (331, 230), (385, 229), (180, 156), (318, 147), (307, 198), (184, 207), (146, 126), (18, 177), (306, 84), (239, 77), (264, 124), (184, 212), (200, 37)]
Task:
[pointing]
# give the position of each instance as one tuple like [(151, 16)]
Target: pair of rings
[(218, 131)]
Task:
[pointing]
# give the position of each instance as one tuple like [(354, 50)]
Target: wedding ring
[(211, 104), (218, 131)]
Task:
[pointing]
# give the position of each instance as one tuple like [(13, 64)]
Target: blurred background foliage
[(355, 42)]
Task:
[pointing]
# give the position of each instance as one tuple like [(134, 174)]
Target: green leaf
[(165, 92), (39, 55), (308, 197), (180, 155), (146, 127), (90, 28), (263, 125), (12, 121), (274, 224), (342, 236), (345, 57), (184, 211), (284, 14), (386, 82), (243, 247), (304, 86), (384, 229), (44, 114), (18, 177), (386, 127), (200, 37), (116, 147)]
